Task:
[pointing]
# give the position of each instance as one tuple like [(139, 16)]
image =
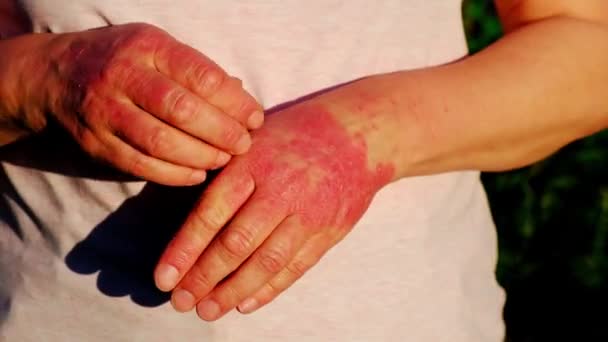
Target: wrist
[(388, 114), (23, 72)]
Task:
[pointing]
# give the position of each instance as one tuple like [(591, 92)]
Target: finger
[(221, 200), (232, 99), (206, 79), (126, 158), (254, 222), (273, 256), (308, 256), (177, 106), (162, 141)]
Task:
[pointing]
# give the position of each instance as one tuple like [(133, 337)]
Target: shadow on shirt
[(125, 247)]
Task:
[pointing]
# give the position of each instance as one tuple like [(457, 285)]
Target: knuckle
[(234, 83), (117, 120), (111, 71), (145, 28), (137, 164), (179, 107), (136, 38), (273, 260), (297, 268), (231, 295), (214, 156), (245, 108), (209, 78), (208, 220), (238, 242), (89, 142), (86, 101), (242, 104), (182, 258), (119, 73), (232, 133), (269, 291), (198, 281), (158, 141), (142, 31)]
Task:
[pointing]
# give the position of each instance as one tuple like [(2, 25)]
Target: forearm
[(20, 73), (17, 119), (514, 103)]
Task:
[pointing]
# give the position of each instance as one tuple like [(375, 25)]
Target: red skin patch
[(307, 163), (102, 57), (305, 159)]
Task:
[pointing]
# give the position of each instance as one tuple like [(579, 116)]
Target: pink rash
[(88, 63), (305, 159)]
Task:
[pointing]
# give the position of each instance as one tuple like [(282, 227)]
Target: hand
[(135, 97), (305, 182)]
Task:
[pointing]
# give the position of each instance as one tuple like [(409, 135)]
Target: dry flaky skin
[(306, 174), (313, 154), (131, 95)]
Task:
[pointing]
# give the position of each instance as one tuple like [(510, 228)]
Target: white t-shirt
[(78, 242)]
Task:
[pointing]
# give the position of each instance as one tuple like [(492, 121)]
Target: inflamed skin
[(130, 95), (308, 177)]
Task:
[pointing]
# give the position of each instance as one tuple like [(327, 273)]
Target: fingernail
[(208, 310), (182, 300), (248, 306), (166, 277), (198, 176), (222, 159), (243, 144), (255, 120)]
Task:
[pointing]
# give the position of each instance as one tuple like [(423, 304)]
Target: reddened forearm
[(521, 99)]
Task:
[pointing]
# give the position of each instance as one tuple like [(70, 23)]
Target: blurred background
[(552, 221)]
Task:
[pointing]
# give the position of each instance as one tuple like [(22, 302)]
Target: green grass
[(552, 221)]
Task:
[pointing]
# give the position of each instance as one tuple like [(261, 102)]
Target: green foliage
[(480, 23), (552, 221)]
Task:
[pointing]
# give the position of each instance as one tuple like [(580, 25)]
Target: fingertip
[(248, 306), (197, 177), (182, 300), (243, 144), (166, 277), (222, 159), (208, 310), (256, 120)]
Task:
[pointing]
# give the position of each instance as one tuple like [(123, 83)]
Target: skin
[(130, 95), (274, 212), (304, 183), (286, 185)]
